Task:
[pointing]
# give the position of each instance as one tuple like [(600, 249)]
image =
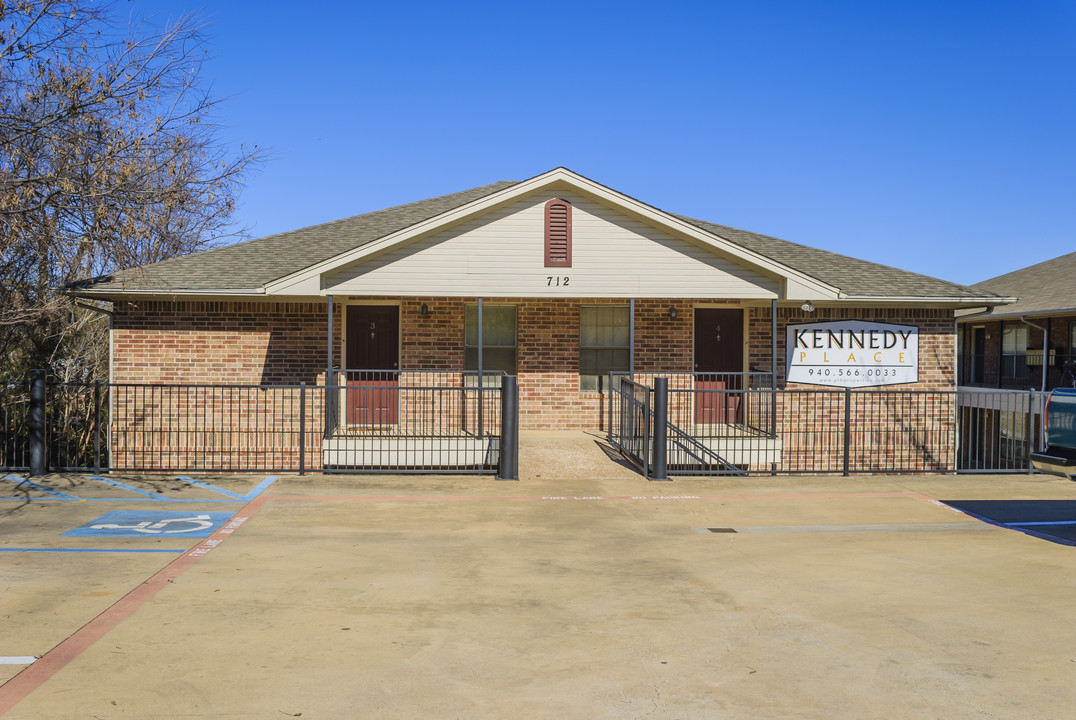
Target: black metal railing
[(77, 426), (414, 403), (14, 430), (1017, 370), (843, 431), (448, 422), (415, 421), (133, 427), (634, 424)]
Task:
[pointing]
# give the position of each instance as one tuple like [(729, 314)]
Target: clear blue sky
[(939, 136)]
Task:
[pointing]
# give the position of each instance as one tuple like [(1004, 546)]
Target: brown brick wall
[(284, 343), (258, 343)]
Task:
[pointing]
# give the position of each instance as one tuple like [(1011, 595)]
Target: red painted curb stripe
[(19, 687)]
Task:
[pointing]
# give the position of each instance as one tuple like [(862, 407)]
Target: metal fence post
[(610, 391), (508, 466), (773, 377), (661, 428), (847, 426), (302, 427), (97, 426), (38, 400), (332, 397), (1030, 428)]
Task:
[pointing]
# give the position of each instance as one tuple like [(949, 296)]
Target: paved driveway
[(404, 597)]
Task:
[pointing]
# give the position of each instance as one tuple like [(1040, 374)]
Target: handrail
[(679, 434)]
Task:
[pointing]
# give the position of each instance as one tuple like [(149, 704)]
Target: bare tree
[(109, 158)]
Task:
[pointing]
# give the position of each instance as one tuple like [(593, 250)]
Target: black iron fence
[(14, 427), (422, 422), (452, 422), (634, 423), (708, 431)]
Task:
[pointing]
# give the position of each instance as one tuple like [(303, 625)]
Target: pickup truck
[(1059, 457)]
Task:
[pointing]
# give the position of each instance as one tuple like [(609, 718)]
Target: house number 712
[(556, 280)]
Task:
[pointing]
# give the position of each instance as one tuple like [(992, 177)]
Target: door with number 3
[(373, 357)]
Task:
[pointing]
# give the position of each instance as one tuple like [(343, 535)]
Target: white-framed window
[(498, 338), (604, 344), (1013, 350)]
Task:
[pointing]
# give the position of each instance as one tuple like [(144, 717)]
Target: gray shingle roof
[(1042, 288), (851, 275), (250, 265)]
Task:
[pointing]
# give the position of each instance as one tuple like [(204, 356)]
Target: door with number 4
[(718, 365)]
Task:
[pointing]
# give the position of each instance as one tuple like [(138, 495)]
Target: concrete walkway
[(565, 595)]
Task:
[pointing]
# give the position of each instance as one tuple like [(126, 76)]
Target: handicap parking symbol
[(152, 523)]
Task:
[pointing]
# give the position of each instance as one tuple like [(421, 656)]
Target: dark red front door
[(718, 352), (373, 357)]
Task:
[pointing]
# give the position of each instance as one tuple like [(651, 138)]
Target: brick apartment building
[(572, 281), (1027, 344)]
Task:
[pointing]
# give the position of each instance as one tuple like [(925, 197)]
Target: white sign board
[(852, 353)]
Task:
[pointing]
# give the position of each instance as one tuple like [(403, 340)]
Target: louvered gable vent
[(558, 233)]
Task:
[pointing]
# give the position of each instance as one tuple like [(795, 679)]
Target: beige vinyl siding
[(501, 253)]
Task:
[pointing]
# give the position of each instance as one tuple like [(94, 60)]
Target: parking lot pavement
[(399, 597)]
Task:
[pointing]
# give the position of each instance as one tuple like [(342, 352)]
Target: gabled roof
[(270, 263), (1048, 288)]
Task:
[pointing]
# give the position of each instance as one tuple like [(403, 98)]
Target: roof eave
[(105, 293), (1021, 313), (973, 301)]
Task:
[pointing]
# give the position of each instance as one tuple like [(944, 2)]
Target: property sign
[(852, 353)]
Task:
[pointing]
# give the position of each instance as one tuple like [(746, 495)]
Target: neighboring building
[(574, 281), (1004, 348), (1029, 344)]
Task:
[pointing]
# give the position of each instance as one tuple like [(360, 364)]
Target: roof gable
[(295, 263), (502, 251), (795, 283)]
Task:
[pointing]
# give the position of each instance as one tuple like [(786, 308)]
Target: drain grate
[(721, 530)]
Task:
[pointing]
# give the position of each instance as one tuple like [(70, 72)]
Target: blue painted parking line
[(214, 488), (93, 550), (116, 483), (259, 488), (1050, 522), (147, 495), (42, 488)]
